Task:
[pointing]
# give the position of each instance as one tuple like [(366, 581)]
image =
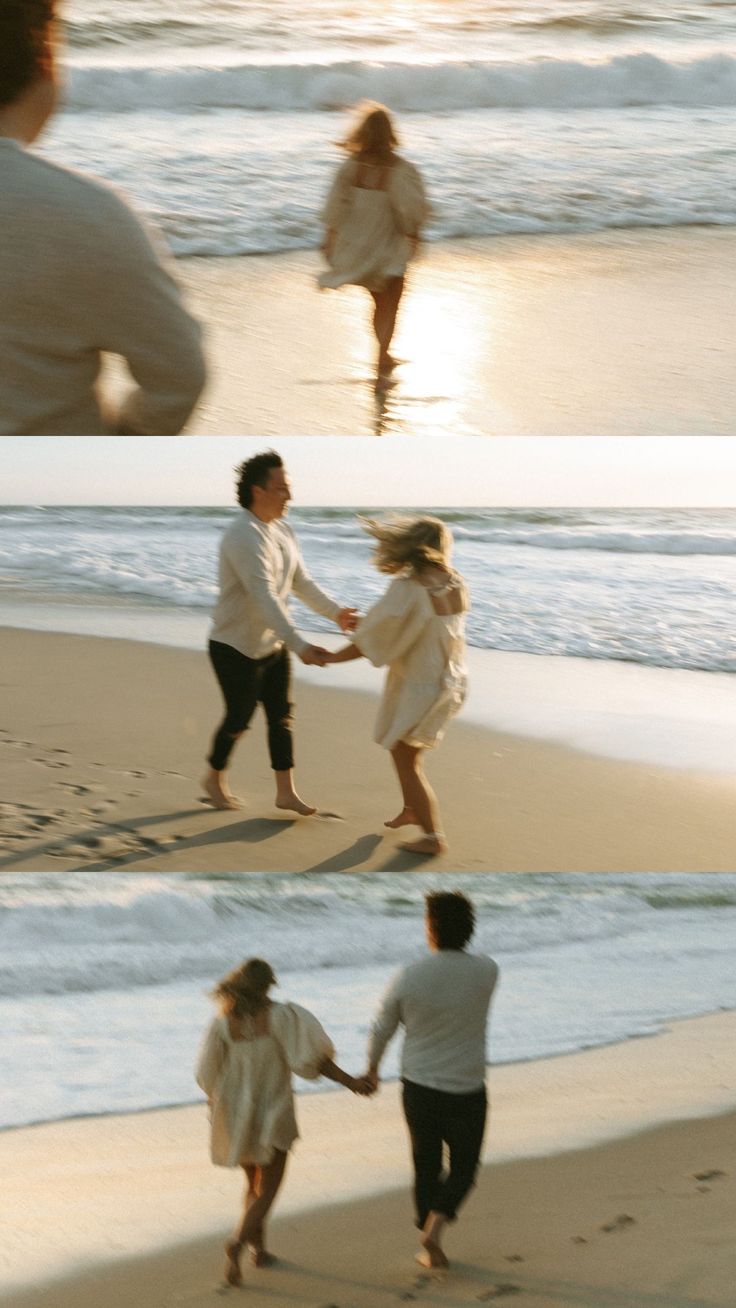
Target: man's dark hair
[(25, 45), (255, 472), (451, 918)]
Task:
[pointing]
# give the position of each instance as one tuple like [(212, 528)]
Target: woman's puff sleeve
[(408, 198), (393, 624), (304, 1042), (211, 1058), (338, 196)]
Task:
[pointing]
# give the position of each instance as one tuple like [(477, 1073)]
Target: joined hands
[(316, 655)]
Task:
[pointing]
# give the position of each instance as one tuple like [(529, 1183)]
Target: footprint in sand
[(77, 789), (498, 1291), (619, 1223), (52, 762), (712, 1175)]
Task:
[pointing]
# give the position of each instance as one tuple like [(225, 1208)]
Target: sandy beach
[(608, 1184), (102, 743), (609, 333)]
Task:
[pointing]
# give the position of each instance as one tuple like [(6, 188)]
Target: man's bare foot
[(217, 790), (294, 804), (261, 1258), (406, 818), (432, 1255), (429, 845), (232, 1266)]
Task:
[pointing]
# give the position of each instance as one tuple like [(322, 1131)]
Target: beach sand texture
[(121, 1210), (102, 744), (624, 333)]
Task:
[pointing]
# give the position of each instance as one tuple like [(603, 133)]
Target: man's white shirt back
[(260, 566), (442, 1001)]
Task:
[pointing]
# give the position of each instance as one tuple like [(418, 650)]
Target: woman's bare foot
[(406, 818), (430, 845), (232, 1266), (294, 804), (217, 790), (432, 1255)]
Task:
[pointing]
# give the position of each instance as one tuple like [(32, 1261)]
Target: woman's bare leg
[(255, 1212), (386, 308), (419, 798), (260, 1257), (407, 817)]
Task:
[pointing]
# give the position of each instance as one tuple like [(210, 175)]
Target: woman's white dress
[(248, 1083), (426, 682), (372, 226)]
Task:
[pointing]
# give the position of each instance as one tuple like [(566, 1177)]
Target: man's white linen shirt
[(81, 276), (442, 1002), (260, 567)]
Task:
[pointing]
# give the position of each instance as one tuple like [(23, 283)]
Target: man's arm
[(307, 590), (384, 1027), (250, 560), (139, 314)]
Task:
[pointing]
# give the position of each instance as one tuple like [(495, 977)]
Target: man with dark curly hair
[(252, 631), (79, 274), (442, 1002)]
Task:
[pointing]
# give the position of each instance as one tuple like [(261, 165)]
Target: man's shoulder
[(460, 959), (244, 527), (76, 193)]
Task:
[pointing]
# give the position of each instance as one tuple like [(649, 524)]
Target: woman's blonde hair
[(244, 991), (372, 135), (415, 543)]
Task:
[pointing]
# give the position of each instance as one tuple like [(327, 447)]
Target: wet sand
[(101, 751), (611, 333), (609, 1183)]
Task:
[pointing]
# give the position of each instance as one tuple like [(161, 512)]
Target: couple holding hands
[(416, 630), (252, 1047)]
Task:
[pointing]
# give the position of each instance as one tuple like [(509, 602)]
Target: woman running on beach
[(417, 629), (244, 1068), (373, 218)]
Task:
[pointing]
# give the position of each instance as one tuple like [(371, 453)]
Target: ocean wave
[(640, 79), (128, 937)]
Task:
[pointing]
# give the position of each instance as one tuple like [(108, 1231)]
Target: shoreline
[(327, 1089), (90, 787), (569, 1137), (496, 335), (665, 717)]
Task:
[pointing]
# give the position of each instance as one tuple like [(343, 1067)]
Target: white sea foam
[(648, 587), (220, 119), (620, 82), (119, 967)]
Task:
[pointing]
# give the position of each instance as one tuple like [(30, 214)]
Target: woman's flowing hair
[(373, 135), (244, 991), (403, 542)]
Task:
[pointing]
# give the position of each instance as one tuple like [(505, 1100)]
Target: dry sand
[(127, 1210), (101, 749), (610, 333)]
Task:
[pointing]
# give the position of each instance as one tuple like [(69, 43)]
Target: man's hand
[(314, 654), (371, 1081), (362, 1086), (347, 619)]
